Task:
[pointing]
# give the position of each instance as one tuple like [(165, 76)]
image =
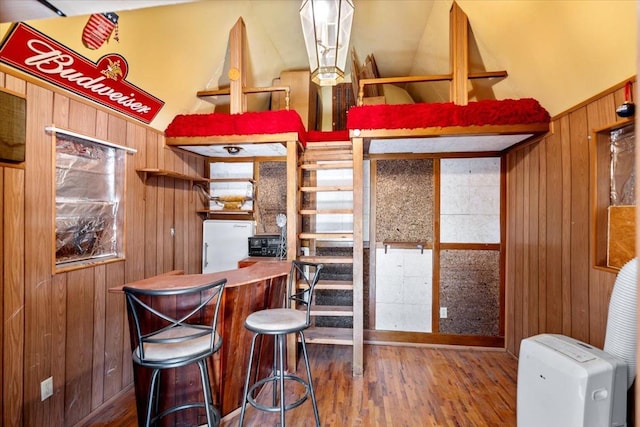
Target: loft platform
[(253, 134), (483, 126)]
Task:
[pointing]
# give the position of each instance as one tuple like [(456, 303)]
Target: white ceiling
[(560, 52)]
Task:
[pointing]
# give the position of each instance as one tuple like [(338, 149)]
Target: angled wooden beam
[(459, 54), (237, 75)]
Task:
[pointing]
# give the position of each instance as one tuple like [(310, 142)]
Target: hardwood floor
[(401, 386)]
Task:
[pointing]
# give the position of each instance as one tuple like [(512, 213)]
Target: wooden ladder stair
[(324, 158)]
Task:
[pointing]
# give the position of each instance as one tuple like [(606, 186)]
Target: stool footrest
[(276, 381), (216, 412)]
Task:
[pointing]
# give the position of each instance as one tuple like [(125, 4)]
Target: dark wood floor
[(402, 386)]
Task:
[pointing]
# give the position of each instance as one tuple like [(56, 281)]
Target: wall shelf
[(151, 172), (227, 215)]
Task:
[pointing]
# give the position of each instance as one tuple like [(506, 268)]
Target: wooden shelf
[(223, 212), (151, 172), (251, 180)]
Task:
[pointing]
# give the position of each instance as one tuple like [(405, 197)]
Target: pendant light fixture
[(326, 25)]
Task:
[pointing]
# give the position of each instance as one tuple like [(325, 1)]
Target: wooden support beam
[(459, 54), (237, 75)]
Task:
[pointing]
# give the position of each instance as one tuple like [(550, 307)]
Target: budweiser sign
[(103, 82)]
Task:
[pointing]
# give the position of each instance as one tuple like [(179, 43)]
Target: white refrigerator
[(224, 243)]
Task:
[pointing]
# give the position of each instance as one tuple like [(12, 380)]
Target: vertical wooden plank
[(553, 303), (459, 54), (358, 257), (503, 241), (519, 255), (435, 261), (580, 209), (136, 235), (151, 193), (293, 220), (61, 106), (5, 414), (99, 331), (12, 310), (542, 238), (136, 212), (114, 345), (59, 348), (159, 225), (566, 166), (168, 219), (5, 392), (38, 256), (194, 258), (82, 118), (180, 214), (371, 302), (534, 243), (510, 278), (525, 278), (237, 73), (79, 350)]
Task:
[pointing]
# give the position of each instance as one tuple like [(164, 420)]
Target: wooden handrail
[(419, 79), (245, 90)]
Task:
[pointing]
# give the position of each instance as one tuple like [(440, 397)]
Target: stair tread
[(332, 310), (328, 145), (332, 156), (339, 235), (324, 335), (326, 211), (327, 259), (335, 285), (331, 165), (327, 188)]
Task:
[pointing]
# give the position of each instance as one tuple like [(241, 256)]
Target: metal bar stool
[(280, 322), (171, 328)]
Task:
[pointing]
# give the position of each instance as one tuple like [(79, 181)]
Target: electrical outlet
[(46, 388), (443, 312)]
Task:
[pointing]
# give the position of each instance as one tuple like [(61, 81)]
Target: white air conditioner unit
[(564, 382)]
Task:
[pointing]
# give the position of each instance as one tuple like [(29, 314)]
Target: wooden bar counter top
[(255, 287)]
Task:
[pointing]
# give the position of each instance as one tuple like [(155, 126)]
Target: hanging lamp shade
[(326, 25)]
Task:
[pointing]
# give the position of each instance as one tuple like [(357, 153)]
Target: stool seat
[(280, 322), (276, 321), (174, 348)]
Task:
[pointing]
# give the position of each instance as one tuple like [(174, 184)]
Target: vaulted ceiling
[(560, 52)]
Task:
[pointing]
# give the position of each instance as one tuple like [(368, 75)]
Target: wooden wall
[(551, 284), (68, 325)]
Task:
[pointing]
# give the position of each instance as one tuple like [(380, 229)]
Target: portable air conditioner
[(566, 383)]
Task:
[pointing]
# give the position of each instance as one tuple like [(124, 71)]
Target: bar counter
[(256, 287)]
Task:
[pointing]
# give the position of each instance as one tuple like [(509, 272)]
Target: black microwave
[(264, 245)]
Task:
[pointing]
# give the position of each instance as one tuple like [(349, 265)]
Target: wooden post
[(358, 258), (459, 54), (292, 233), (237, 77)]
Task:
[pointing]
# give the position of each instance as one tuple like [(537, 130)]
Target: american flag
[(98, 29)]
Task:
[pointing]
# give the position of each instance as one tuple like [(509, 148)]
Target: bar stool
[(280, 322), (172, 328)]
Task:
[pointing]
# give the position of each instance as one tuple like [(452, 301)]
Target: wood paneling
[(12, 291), (39, 317), (66, 325), (551, 284)]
